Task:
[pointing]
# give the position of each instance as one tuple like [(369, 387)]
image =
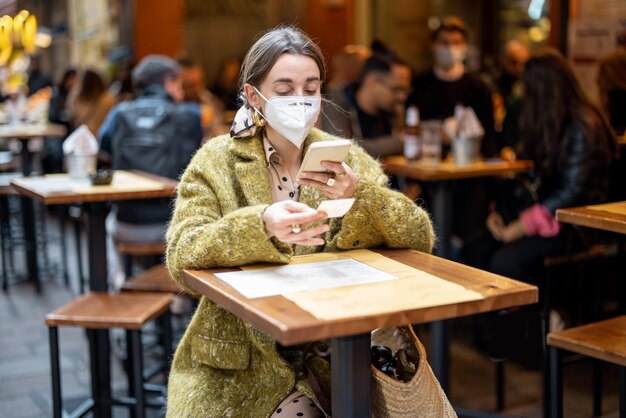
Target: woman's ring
[(296, 229), (331, 180), (343, 173)]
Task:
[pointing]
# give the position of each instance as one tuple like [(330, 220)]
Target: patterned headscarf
[(243, 124)]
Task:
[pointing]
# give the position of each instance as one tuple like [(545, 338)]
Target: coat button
[(355, 243)]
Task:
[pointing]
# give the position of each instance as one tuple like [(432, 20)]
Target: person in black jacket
[(156, 133), (571, 145)]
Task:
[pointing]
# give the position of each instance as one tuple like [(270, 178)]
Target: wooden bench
[(603, 340), (101, 311)]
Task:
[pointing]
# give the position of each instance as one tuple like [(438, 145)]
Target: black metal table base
[(351, 376)]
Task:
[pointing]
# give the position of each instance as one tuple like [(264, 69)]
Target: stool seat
[(155, 279), (603, 340), (101, 310), (5, 184), (138, 249), (593, 252)]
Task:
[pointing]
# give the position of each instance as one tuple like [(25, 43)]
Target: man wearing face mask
[(436, 93), (367, 109), (447, 84)]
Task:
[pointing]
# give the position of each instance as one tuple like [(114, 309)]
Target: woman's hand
[(504, 233), (495, 225), (338, 183), (288, 222)]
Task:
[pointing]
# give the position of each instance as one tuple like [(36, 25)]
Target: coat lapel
[(251, 170)]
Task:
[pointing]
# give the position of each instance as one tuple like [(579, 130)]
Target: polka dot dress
[(283, 188), (297, 405)]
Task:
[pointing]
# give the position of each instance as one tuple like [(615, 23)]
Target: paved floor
[(24, 363)]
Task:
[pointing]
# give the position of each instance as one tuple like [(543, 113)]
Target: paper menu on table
[(262, 282)]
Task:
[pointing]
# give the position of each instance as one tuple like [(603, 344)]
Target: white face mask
[(448, 56), (292, 116)]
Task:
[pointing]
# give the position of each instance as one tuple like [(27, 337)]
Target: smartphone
[(317, 152)]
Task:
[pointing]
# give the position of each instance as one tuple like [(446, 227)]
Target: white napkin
[(464, 124), (81, 142)]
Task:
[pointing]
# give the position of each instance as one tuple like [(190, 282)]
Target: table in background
[(594, 217), (289, 324), (24, 133), (94, 199), (440, 175)]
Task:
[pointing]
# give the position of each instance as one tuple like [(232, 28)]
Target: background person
[(366, 110), (89, 101), (194, 90), (571, 146), (155, 133), (239, 202)]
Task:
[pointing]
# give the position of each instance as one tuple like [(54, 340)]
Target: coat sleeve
[(200, 236), (380, 216)]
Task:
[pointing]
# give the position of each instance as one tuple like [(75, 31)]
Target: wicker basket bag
[(421, 397)]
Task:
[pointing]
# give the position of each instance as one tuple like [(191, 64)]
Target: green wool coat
[(223, 366)]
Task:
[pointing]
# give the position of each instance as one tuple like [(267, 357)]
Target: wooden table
[(350, 338), (25, 133), (594, 217), (126, 186), (441, 175)]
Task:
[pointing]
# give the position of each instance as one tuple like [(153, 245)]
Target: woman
[(89, 101), (57, 113), (571, 146), (239, 202)]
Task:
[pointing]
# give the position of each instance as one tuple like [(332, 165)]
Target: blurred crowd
[(532, 107)]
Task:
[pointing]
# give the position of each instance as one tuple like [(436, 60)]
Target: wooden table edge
[(526, 294), (54, 198), (590, 218)]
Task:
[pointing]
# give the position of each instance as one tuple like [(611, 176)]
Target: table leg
[(28, 222), (96, 243), (99, 349), (99, 342), (442, 220), (351, 376)]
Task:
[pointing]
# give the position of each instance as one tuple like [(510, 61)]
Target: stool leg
[(622, 392), (556, 384), (545, 322), (62, 214), (596, 372), (128, 266), (130, 367), (5, 227), (500, 393), (79, 257), (55, 372), (137, 372), (166, 327)]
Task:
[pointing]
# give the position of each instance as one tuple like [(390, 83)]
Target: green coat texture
[(224, 367)]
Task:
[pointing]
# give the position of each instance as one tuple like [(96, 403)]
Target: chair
[(604, 340), (101, 311)]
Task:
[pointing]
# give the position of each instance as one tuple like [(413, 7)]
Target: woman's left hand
[(338, 183), (513, 232)]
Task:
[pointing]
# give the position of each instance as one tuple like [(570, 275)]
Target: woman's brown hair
[(262, 56), (553, 98)]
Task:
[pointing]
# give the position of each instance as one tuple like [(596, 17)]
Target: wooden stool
[(155, 279), (604, 340), (128, 250), (100, 311)]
